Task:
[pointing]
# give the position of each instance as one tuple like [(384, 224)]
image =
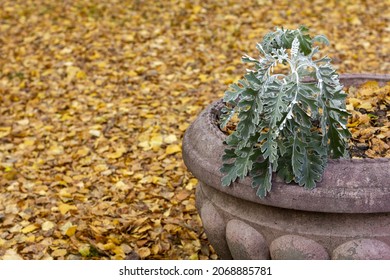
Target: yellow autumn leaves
[(95, 97), (155, 141), (29, 228), (370, 120)]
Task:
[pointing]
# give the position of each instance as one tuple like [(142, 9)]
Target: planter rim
[(348, 185)]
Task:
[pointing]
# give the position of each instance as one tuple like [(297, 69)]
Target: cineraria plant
[(291, 114)]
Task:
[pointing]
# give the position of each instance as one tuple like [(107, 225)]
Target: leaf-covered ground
[(95, 97)]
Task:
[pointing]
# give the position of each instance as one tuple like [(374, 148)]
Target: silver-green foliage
[(289, 123)]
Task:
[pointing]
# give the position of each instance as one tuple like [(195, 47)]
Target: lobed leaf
[(262, 178)]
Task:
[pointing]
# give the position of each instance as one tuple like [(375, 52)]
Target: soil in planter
[(369, 123)]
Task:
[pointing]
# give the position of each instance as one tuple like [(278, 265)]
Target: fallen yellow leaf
[(183, 194), (65, 208), (47, 226), (156, 141), (118, 153), (71, 231), (118, 251), (109, 246), (4, 131), (169, 139), (84, 250), (11, 254), (144, 252), (56, 150), (82, 152), (59, 253), (29, 228), (354, 102), (30, 239), (172, 149), (365, 105)]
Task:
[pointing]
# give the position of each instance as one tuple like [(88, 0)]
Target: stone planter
[(346, 217)]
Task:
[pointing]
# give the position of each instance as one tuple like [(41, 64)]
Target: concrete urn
[(347, 216)]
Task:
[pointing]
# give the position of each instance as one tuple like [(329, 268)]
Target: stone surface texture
[(214, 226), (349, 211), (362, 249), (245, 243), (288, 247)]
